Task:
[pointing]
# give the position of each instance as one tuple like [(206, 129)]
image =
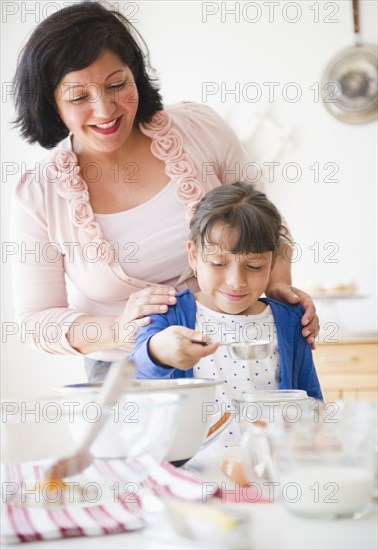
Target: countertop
[(270, 526), (345, 337)]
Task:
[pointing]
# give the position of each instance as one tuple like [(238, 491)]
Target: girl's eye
[(254, 267), (217, 265), (78, 99)]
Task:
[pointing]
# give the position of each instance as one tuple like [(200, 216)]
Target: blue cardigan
[(297, 366)]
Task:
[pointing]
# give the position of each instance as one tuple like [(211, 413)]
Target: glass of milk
[(257, 412), (320, 465)]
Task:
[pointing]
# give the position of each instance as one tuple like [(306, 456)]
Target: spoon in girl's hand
[(243, 351), (81, 457)]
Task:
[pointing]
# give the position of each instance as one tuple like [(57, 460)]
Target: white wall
[(191, 48)]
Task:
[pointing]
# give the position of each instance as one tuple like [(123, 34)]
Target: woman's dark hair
[(70, 40), (241, 207)]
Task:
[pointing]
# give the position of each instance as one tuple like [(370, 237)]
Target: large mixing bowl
[(198, 418), (135, 425)]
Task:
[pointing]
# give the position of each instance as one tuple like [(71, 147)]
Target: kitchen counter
[(270, 526), (333, 337)]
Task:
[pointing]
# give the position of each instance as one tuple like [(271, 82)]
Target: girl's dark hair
[(70, 40), (241, 207)]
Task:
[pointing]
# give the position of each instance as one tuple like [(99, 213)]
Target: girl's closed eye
[(78, 99), (255, 267)]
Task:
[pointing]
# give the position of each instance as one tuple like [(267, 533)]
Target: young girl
[(236, 233)]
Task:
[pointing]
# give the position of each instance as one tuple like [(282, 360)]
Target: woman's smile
[(107, 128)]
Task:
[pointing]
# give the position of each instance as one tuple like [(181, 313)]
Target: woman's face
[(98, 104)]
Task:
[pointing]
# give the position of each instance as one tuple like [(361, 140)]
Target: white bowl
[(197, 416), (34, 430), (135, 425)]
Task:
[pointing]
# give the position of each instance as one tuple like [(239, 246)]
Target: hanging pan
[(349, 84)]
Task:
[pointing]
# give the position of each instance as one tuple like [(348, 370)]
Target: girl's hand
[(174, 347), (310, 321), (141, 304)]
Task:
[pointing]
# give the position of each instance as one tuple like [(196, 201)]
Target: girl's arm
[(161, 350), (175, 347)]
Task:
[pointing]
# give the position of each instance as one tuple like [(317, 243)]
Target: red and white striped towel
[(119, 509)]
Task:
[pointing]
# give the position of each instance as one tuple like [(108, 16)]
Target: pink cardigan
[(52, 217)]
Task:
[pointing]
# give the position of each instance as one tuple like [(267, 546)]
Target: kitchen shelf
[(340, 296), (348, 369)]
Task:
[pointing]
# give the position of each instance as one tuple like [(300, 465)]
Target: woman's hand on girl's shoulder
[(292, 295), (149, 301), (141, 304)]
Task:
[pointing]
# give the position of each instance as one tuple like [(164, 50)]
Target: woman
[(107, 212)]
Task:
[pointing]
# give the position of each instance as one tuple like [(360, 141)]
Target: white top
[(141, 246), (238, 376)]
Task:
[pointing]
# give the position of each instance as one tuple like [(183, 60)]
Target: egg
[(232, 466)]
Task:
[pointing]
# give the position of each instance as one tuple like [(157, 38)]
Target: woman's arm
[(280, 289), (39, 287), (88, 334), (46, 320)]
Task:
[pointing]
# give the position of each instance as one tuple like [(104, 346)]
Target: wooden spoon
[(80, 459)]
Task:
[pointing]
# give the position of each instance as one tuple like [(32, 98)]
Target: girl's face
[(229, 283), (98, 104)]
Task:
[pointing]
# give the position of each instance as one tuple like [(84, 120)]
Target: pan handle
[(356, 18)]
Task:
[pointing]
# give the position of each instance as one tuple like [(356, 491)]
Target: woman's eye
[(117, 85), (217, 265), (254, 267)]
